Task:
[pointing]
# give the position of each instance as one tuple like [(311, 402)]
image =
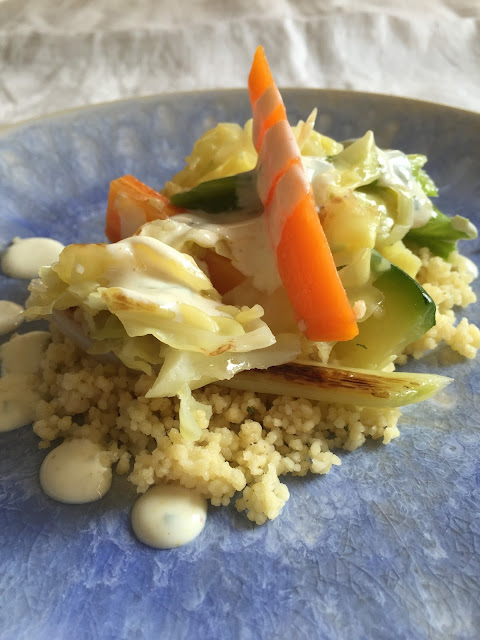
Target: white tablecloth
[(56, 55)]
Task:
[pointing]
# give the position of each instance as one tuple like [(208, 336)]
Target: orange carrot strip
[(304, 259), (319, 301), (260, 77), (132, 203)]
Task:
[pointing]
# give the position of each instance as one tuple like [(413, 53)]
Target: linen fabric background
[(61, 54)]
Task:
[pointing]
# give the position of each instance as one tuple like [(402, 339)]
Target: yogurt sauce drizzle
[(23, 353), (168, 516), (20, 358), (75, 473), (24, 257), (11, 316), (17, 401)]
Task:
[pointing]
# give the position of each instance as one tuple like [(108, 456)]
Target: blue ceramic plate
[(386, 546)]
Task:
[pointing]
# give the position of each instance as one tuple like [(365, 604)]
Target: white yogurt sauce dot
[(168, 516), (23, 353), (11, 316), (25, 256), (18, 398), (75, 473)]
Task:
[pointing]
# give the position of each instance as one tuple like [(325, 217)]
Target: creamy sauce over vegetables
[(151, 282), (11, 316), (75, 473), (321, 175), (168, 516), (397, 173), (247, 243), (25, 256)]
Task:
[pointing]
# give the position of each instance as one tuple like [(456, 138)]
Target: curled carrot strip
[(260, 77), (304, 259)]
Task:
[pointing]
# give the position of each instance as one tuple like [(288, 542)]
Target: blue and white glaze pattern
[(384, 547)]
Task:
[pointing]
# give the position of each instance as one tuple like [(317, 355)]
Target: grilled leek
[(340, 386)]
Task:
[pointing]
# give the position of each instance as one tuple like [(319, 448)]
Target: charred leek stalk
[(340, 386)]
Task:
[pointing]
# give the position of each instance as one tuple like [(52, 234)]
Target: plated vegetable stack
[(259, 303), (339, 223)]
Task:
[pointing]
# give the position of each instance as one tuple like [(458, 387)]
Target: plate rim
[(6, 130)]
